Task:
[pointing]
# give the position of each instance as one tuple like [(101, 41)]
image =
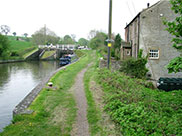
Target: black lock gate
[(169, 84)]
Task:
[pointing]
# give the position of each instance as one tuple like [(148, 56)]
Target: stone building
[(146, 31)]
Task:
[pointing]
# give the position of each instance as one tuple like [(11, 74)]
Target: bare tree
[(73, 36), (92, 34), (5, 29)]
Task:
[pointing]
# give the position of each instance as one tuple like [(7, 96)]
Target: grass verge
[(93, 113), (99, 122), (54, 110)]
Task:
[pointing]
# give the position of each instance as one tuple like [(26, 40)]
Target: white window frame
[(154, 54), (128, 53)]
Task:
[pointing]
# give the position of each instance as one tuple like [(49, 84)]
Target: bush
[(14, 53), (135, 67), (4, 44)]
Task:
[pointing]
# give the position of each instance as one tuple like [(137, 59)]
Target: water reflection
[(16, 81)]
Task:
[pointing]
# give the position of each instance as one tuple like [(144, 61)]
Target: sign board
[(109, 44)]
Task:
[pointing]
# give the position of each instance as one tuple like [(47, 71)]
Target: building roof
[(125, 44), (142, 12)]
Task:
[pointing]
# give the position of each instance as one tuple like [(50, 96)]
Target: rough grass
[(47, 118), (93, 114), (99, 122), (139, 110), (79, 53)]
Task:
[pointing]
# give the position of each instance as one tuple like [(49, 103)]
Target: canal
[(16, 81)]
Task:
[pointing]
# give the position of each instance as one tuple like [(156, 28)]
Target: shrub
[(14, 53), (135, 67), (4, 44)]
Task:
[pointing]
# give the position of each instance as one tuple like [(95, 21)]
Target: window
[(128, 53), (154, 54)]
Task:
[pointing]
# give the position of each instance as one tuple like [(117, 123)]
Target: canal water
[(16, 81)]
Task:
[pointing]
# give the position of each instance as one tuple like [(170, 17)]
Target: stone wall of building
[(154, 36)]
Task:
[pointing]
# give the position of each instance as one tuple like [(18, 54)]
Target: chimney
[(148, 5)]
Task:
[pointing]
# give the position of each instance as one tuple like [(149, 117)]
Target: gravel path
[(81, 128)]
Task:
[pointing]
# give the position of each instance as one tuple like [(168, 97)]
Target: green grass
[(48, 54), (98, 124), (93, 113), (25, 55), (54, 110), (20, 48), (19, 45), (79, 53), (140, 111)]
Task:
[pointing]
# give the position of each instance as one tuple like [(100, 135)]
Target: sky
[(68, 16)]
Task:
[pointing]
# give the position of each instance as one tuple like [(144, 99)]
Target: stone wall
[(154, 36), (115, 65)]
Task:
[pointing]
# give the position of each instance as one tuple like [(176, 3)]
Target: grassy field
[(19, 49), (54, 110)]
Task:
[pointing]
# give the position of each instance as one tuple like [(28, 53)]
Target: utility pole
[(109, 33), (45, 34)]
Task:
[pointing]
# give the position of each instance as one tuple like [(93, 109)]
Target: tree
[(4, 44), (92, 34), (5, 29), (68, 40), (98, 40), (45, 36), (25, 34), (115, 50), (117, 41), (14, 33), (175, 29), (83, 42)]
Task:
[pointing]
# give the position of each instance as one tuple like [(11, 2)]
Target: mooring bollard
[(50, 84)]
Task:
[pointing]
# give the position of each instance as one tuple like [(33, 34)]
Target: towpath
[(81, 127)]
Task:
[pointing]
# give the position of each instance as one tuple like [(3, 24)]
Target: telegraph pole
[(45, 34), (109, 33)]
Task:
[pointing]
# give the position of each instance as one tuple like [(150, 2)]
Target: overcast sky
[(68, 16)]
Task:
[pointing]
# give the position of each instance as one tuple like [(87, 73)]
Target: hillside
[(19, 46)]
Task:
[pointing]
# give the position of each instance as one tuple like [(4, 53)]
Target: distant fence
[(61, 47)]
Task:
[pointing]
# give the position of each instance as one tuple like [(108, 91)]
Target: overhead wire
[(129, 9), (133, 6)]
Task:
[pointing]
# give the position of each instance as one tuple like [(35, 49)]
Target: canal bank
[(27, 101), (54, 109), (17, 80)]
